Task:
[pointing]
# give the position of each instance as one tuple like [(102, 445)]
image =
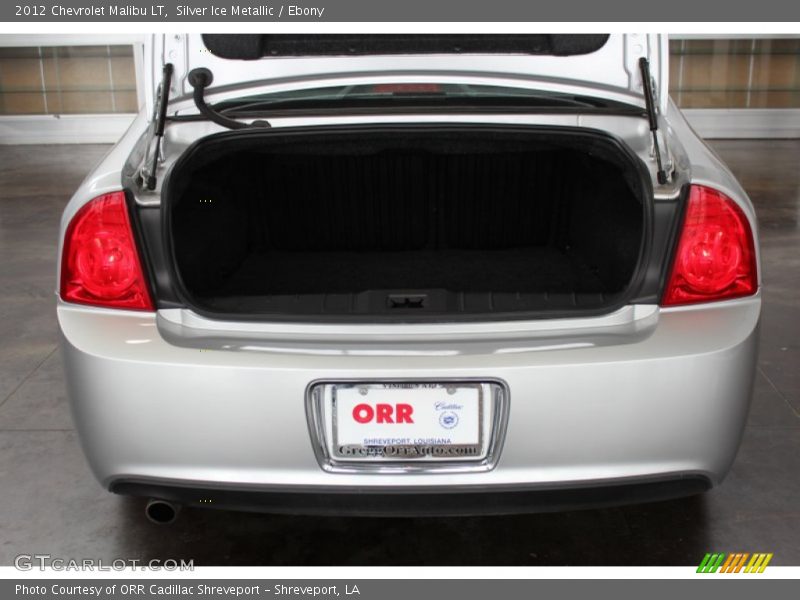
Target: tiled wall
[(67, 80), (719, 73), (738, 73)]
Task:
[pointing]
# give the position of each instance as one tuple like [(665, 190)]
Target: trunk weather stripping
[(644, 66), (160, 116), (200, 79)]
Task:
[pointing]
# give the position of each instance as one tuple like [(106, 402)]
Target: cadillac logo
[(448, 419)]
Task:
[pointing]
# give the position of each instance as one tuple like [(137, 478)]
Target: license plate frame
[(492, 415), (414, 448)]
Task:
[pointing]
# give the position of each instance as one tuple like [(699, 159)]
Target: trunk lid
[(600, 66)]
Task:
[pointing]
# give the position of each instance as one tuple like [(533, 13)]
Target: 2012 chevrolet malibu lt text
[(423, 274)]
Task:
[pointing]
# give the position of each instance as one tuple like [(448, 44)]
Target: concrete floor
[(49, 502)]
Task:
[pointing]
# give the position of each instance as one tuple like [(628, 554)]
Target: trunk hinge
[(652, 116), (200, 79), (159, 118)]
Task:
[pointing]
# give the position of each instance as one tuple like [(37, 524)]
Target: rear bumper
[(664, 401), (382, 503)]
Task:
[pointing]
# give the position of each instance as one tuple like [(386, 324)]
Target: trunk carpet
[(476, 220), (511, 270)]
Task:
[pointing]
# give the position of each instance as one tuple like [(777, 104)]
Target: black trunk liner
[(448, 281), (460, 222), (513, 270)]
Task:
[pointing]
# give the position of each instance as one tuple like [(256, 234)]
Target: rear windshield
[(423, 94), (255, 46)]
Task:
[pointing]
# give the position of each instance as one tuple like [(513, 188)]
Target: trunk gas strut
[(163, 100), (200, 79), (644, 67)]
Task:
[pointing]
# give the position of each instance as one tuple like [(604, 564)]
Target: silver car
[(421, 274)]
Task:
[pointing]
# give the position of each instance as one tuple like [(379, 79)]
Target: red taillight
[(716, 258), (100, 263)]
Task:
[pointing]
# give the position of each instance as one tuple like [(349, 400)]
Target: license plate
[(402, 421)]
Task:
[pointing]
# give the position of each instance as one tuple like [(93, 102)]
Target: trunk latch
[(406, 300)]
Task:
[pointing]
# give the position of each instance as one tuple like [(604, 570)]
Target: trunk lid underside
[(597, 65)]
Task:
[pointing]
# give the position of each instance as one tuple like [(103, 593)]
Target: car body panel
[(674, 401), (641, 393)]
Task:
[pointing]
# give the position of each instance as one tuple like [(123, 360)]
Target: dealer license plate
[(432, 421)]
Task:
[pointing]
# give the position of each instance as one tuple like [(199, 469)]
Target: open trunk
[(406, 221)]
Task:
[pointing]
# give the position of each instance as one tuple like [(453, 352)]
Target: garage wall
[(54, 80), (735, 73), (738, 86), (62, 88)]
